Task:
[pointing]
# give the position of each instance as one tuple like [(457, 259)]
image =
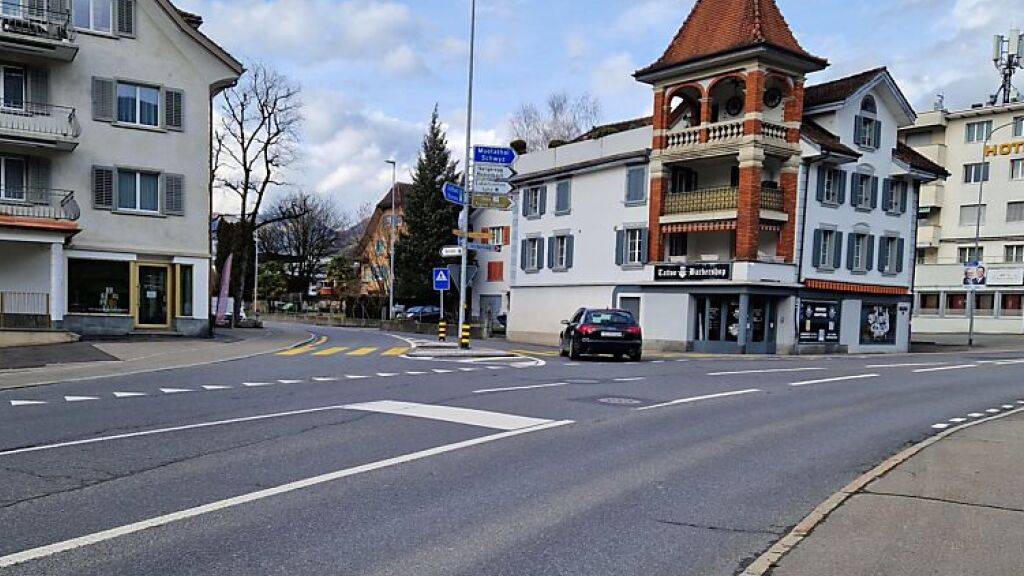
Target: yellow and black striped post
[(464, 339), (442, 331)]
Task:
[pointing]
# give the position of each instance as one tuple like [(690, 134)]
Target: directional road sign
[(451, 252), (455, 271), (494, 172), (493, 155), (484, 247), (473, 235), (492, 201), (454, 194), (442, 279), (492, 187)]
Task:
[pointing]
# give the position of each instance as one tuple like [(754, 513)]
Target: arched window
[(868, 105)]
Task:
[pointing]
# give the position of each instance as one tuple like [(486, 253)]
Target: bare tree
[(564, 118), (303, 235), (256, 141)]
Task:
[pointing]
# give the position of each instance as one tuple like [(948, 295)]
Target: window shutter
[(38, 90), (126, 17), (874, 192), (551, 252), (102, 188), (821, 183), (857, 186), (524, 200), (886, 195), (849, 251), (174, 109), (878, 133), (841, 182), (563, 199), (38, 180), (540, 253), (858, 130), (817, 247), (103, 99), (570, 245), (904, 199), (174, 194), (869, 259), (522, 254), (620, 247), (883, 256), (543, 200), (900, 246), (837, 259), (645, 242)]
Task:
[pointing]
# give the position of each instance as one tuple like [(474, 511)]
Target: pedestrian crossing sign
[(442, 279)]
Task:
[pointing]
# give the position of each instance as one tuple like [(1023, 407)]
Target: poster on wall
[(819, 322), (975, 274), (878, 323)]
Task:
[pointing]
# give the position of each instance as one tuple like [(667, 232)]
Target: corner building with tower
[(749, 214)]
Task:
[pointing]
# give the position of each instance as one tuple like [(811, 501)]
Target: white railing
[(685, 137), (772, 130), (41, 119), (725, 131)]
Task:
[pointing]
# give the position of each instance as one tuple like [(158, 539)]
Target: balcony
[(36, 31), (928, 235), (40, 126), (932, 195), (722, 134), (721, 199), (38, 204)]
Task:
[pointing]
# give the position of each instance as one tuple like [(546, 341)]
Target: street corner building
[(750, 214), (105, 165)]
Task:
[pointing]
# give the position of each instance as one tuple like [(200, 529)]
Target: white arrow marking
[(175, 390), (216, 387), (127, 394), (79, 398), (26, 402)]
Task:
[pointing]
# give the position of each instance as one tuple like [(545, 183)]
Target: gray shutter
[(103, 99), (102, 188), (125, 13), (524, 246), (856, 189), (540, 251), (543, 200), (174, 109), (817, 247), (904, 198), (174, 194), (886, 195), (878, 133), (38, 90), (874, 192), (837, 259), (883, 256), (821, 183), (523, 200), (570, 245), (869, 258), (841, 180), (900, 246), (38, 180), (36, 9), (551, 252), (849, 251), (858, 130), (645, 242), (620, 247)]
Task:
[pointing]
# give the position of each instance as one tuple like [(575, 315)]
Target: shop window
[(185, 290), (1010, 304), (985, 304), (98, 286), (929, 305), (956, 304)]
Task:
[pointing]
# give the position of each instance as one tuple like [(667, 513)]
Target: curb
[(770, 559)]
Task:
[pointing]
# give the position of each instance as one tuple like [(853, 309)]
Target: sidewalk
[(91, 360), (955, 507)]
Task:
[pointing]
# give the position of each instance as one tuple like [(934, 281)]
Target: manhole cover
[(620, 401)]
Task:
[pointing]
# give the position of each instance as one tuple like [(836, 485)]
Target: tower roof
[(716, 27)]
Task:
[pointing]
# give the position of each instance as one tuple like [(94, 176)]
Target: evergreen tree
[(429, 219)]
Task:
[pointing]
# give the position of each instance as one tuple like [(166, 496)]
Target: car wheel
[(574, 354), (636, 356), (618, 357)]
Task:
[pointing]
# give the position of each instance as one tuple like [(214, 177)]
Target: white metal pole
[(256, 278), (464, 215), (391, 248)]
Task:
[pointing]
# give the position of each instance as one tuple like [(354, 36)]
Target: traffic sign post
[(442, 279), (476, 246), (496, 172), (488, 187), (473, 235), (494, 155), (451, 251)]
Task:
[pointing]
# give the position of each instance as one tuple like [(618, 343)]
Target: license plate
[(611, 334)]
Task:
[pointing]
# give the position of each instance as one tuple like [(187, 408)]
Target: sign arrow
[(484, 247), (451, 252), (473, 235), (493, 201), (496, 172)]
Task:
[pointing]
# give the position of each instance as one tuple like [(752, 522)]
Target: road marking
[(634, 379), (257, 384), (386, 374), (836, 379), (97, 537), (27, 402), (572, 364), (324, 379), (128, 394), (331, 351), (699, 398), (395, 352), (906, 365), (413, 373), (940, 426), (975, 414), (766, 371), (216, 387), (468, 369), (957, 420), (532, 352), (362, 352), (657, 361), (495, 367), (290, 381), (355, 377), (483, 418), (175, 390), (442, 371), (993, 410), (1009, 362), (945, 368), (79, 398), (1008, 406), (514, 388)]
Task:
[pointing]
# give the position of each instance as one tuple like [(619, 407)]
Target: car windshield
[(605, 317)]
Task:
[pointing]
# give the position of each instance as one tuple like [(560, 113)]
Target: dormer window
[(867, 131)]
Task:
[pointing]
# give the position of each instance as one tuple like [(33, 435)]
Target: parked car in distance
[(602, 331), (424, 314)]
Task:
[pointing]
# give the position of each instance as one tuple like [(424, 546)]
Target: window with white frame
[(898, 195), (634, 246), (831, 186), (1015, 253), (138, 191), (138, 104), (1017, 169), (859, 253), (968, 254), (12, 86), (978, 131), (826, 250), (1015, 212), (561, 252), (969, 214), (533, 254), (862, 191), (868, 127), (497, 236), (531, 199), (890, 247), (1018, 126), (96, 15), (12, 178), (974, 173)]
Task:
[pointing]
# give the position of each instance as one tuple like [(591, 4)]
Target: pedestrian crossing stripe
[(330, 351), (395, 352), (297, 351), (362, 352)]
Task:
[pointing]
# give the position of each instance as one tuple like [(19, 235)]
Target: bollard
[(464, 340), (442, 331)]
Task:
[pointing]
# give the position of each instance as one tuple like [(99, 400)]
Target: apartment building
[(374, 248), (104, 165), (750, 214), (983, 148)]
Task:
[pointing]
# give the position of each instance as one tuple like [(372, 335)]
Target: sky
[(372, 71)]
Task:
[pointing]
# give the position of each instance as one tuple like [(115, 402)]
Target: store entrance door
[(720, 329), (154, 309), (761, 320)]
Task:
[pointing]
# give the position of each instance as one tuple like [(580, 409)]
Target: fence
[(28, 310)]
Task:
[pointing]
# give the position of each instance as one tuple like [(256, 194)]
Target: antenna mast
[(1008, 56)]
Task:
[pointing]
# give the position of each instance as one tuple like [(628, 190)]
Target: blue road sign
[(454, 194), (442, 279), (493, 155), (475, 246)]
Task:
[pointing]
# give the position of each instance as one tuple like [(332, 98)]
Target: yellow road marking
[(297, 351), (395, 352), (362, 352), (331, 351), (532, 352)]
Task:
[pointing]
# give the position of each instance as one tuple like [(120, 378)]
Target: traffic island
[(452, 350)]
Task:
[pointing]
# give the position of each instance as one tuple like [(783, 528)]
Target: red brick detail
[(748, 214), (755, 92), (704, 136), (752, 127), (705, 110), (794, 110), (857, 288), (659, 187), (660, 142), (793, 135), (39, 224), (787, 237), (660, 111)]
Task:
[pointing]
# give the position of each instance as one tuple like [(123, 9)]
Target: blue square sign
[(442, 279)]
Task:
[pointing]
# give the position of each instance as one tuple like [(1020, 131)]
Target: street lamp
[(391, 248), (977, 226)]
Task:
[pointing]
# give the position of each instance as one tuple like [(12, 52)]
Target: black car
[(596, 331), (424, 314)]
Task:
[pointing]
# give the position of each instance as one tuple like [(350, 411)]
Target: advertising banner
[(819, 322)]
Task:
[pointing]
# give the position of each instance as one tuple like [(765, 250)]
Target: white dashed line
[(836, 379), (386, 374), (634, 379), (216, 387), (657, 361), (699, 398), (468, 369), (993, 410), (257, 384), (765, 371), (290, 381), (571, 364), (975, 414), (1008, 406), (468, 416), (27, 402), (514, 388), (415, 373), (355, 377), (175, 390), (128, 394), (492, 368), (325, 379), (442, 371), (79, 398), (945, 368), (957, 420), (907, 365), (940, 426)]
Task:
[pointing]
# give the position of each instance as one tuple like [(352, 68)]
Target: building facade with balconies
[(105, 166), (750, 214)]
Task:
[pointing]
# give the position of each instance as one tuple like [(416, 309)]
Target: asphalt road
[(348, 458)]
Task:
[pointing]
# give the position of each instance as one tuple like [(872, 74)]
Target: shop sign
[(692, 272), (1006, 277), (1004, 149), (819, 322), (878, 324)]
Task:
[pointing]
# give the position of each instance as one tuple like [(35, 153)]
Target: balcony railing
[(775, 131), (43, 204), (717, 200), (25, 19), (41, 120)]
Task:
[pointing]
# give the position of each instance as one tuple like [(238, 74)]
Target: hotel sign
[(1004, 149), (692, 272)]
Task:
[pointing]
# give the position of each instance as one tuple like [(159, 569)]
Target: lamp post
[(977, 227), (464, 214), (391, 247)]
